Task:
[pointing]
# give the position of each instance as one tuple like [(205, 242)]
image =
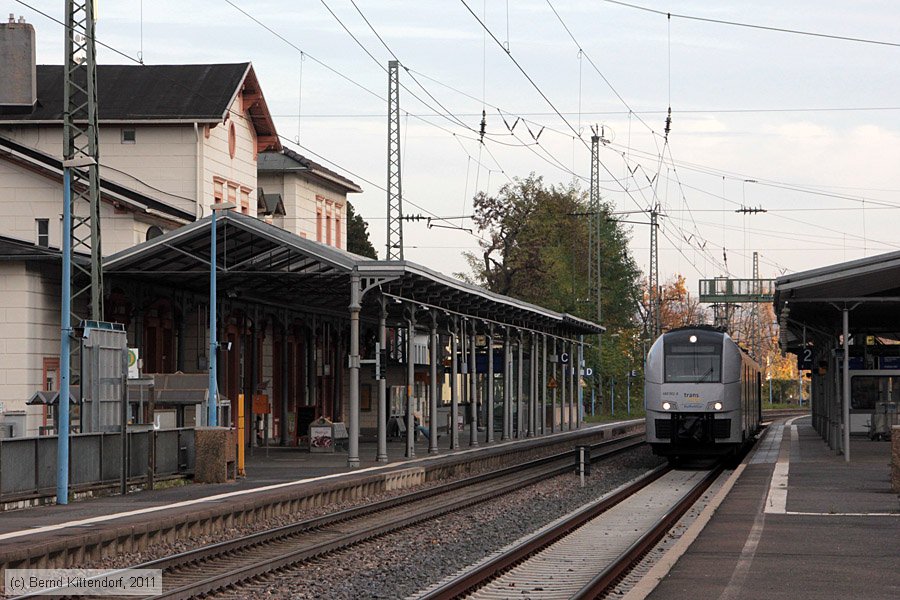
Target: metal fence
[(28, 465)]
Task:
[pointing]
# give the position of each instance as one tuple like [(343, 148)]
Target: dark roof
[(13, 249), (288, 161), (152, 92), (53, 167), (263, 263), (269, 204), (815, 298)]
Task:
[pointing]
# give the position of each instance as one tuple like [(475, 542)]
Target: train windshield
[(693, 356)]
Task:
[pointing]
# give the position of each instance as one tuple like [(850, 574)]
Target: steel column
[(544, 383), (473, 395), (520, 400), (454, 383), (382, 456), (355, 307), (846, 398), (435, 390), (285, 368), (489, 435), (211, 412), (553, 408), (411, 385), (507, 384), (62, 443)]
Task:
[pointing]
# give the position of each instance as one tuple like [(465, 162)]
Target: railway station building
[(300, 317)]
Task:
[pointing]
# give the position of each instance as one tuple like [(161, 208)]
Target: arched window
[(154, 232)]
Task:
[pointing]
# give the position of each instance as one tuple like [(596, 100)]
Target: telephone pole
[(394, 244)]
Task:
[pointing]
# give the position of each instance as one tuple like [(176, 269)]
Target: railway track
[(212, 568), (582, 555)]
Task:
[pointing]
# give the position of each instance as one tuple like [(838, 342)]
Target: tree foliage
[(358, 234), (536, 249)]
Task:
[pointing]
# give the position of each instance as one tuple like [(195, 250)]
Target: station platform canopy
[(869, 287), (261, 263)]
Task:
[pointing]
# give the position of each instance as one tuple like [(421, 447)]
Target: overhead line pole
[(394, 244), (81, 182), (594, 282)]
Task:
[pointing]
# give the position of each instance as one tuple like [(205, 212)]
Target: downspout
[(198, 208)]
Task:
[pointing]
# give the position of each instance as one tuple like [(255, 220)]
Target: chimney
[(17, 66)]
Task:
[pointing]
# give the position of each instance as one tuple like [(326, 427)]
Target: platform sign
[(134, 361), (805, 359), (564, 358), (261, 404), (321, 437), (889, 362), (552, 384)]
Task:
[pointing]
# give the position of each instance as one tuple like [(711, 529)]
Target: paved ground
[(835, 535)]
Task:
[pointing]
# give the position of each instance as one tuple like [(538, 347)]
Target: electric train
[(702, 394)]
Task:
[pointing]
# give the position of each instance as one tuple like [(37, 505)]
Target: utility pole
[(394, 245), (83, 284)]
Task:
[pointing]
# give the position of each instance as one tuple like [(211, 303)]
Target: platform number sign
[(805, 359), (564, 358)]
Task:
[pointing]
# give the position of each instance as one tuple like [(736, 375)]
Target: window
[(337, 229), (218, 190), (245, 201), (129, 136), (328, 228), (153, 232), (693, 356), (318, 224), (232, 140), (232, 194), (43, 232)]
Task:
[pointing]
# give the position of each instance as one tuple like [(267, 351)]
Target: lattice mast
[(394, 244), (756, 334), (81, 145), (595, 226), (656, 325)]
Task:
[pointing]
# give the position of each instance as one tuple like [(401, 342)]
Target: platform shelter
[(311, 332), (842, 323)]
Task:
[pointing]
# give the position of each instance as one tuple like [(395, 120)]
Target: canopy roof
[(264, 264), (815, 298)]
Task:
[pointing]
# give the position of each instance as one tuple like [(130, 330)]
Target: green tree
[(536, 249), (358, 235)]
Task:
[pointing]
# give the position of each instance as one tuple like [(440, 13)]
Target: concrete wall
[(302, 196), (26, 196), (29, 331), (161, 159)]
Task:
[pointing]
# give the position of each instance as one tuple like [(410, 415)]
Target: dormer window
[(129, 136)]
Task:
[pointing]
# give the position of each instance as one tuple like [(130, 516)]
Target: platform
[(799, 524)]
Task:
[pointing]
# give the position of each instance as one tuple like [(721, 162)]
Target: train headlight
[(715, 406), (668, 405)]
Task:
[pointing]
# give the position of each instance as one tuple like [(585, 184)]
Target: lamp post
[(212, 419)]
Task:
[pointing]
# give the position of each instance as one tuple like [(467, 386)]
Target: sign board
[(564, 358), (321, 437), (805, 359), (887, 362), (261, 404), (552, 383), (134, 361), (588, 372)]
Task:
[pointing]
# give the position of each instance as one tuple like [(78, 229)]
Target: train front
[(686, 400)]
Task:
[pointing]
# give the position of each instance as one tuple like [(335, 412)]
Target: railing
[(28, 465), (724, 289)]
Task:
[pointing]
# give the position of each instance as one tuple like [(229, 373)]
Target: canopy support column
[(507, 384), (846, 394), (473, 393), (411, 385), (544, 384), (435, 390), (489, 435), (454, 385), (355, 307), (520, 400), (381, 455)]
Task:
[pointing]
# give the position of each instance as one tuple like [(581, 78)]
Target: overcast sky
[(804, 127)]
